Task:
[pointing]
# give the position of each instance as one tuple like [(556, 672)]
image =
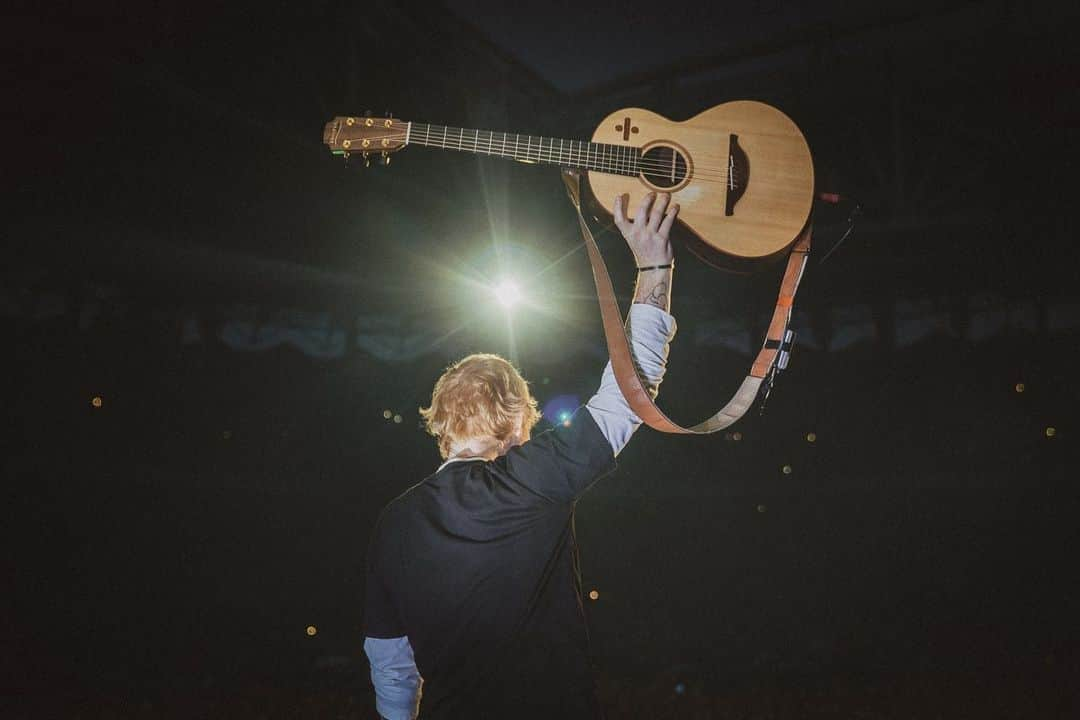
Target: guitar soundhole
[(663, 166)]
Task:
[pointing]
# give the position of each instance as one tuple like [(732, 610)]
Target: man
[(473, 585)]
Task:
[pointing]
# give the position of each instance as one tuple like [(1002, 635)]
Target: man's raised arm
[(650, 325)]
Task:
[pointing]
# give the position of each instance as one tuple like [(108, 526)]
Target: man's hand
[(647, 235)]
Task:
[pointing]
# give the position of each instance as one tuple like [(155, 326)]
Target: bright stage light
[(508, 293)]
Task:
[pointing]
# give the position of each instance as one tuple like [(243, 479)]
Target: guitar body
[(741, 173)]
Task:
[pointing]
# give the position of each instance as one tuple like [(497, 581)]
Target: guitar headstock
[(346, 135)]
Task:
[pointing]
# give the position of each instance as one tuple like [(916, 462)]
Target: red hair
[(479, 396)]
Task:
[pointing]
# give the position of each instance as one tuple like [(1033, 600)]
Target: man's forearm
[(649, 329), (654, 288)]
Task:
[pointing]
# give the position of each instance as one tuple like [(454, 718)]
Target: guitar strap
[(772, 356)]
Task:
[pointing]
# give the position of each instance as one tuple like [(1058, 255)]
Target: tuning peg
[(367, 160), (385, 158)]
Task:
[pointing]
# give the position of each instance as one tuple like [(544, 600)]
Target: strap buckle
[(783, 357)]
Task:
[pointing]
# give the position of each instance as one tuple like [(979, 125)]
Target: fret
[(601, 157)]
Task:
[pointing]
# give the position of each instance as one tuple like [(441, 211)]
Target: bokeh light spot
[(312, 630)]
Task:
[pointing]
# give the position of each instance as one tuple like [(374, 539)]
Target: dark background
[(169, 200)]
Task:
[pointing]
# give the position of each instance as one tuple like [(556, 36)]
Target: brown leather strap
[(622, 362)]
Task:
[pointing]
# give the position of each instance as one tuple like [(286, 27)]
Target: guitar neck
[(601, 157)]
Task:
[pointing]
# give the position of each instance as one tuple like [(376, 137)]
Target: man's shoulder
[(427, 490), (402, 504)]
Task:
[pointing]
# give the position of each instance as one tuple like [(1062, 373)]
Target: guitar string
[(660, 167), (656, 166)]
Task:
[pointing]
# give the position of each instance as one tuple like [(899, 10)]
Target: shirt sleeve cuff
[(651, 321), (394, 676)]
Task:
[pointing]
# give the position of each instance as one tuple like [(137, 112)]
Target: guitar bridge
[(738, 174)]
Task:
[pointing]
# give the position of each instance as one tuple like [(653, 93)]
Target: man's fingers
[(658, 209), (669, 219), (620, 211), (642, 216)]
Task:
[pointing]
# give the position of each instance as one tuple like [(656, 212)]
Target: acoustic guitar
[(741, 172)]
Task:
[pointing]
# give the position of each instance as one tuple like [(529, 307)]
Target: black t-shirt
[(478, 566)]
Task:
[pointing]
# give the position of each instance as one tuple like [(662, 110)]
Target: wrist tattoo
[(658, 296)]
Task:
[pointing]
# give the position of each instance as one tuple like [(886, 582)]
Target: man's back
[(479, 563)]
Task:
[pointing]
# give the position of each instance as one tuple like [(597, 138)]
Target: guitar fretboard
[(614, 159)]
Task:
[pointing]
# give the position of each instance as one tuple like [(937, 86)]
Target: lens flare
[(507, 293)]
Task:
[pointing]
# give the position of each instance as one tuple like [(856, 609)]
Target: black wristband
[(669, 266)]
